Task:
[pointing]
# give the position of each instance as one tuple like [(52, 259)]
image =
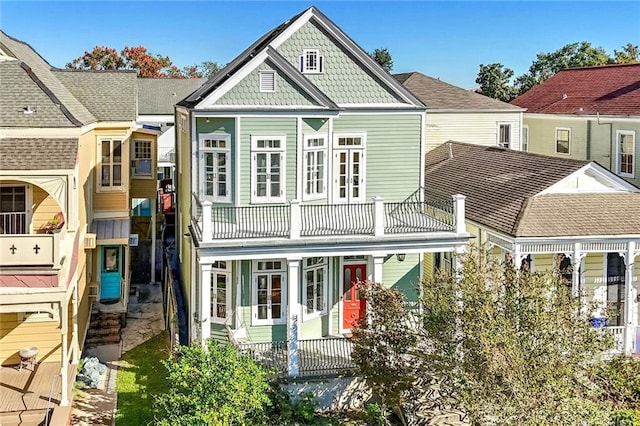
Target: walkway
[(145, 319)]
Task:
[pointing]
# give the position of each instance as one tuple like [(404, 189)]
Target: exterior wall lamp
[(400, 257)]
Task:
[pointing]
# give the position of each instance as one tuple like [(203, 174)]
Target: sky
[(443, 39)]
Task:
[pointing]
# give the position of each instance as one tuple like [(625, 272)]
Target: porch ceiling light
[(400, 257)]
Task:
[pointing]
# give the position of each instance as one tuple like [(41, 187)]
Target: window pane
[(106, 175), (117, 152), (106, 152), (117, 178)]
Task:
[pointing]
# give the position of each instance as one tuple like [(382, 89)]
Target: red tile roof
[(608, 89)]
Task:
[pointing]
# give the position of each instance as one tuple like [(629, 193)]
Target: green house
[(300, 172)]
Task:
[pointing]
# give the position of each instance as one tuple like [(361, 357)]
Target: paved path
[(97, 407)]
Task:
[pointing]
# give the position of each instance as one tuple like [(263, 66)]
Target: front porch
[(31, 395)]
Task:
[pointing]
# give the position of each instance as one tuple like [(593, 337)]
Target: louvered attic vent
[(267, 81)]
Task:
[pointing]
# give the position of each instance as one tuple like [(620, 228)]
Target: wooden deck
[(27, 392)]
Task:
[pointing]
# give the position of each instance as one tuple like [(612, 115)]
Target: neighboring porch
[(601, 272), (30, 396)]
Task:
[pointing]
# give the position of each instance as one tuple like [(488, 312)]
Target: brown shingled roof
[(38, 154), (609, 89), (496, 181)]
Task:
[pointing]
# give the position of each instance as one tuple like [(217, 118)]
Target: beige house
[(588, 113), (462, 115), (547, 213), (72, 167)]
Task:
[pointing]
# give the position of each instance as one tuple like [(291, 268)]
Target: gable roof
[(501, 187), (109, 95), (159, 95), (608, 89), (265, 42), (438, 95), (38, 154), (40, 72)]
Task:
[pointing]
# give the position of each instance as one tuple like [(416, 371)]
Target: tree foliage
[(496, 81), (216, 386), (504, 346), (206, 69), (383, 57)]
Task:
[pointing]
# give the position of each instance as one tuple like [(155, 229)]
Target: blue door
[(110, 267)]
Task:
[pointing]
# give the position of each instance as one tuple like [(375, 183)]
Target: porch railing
[(315, 356), (296, 220), (13, 223), (31, 250), (617, 333)]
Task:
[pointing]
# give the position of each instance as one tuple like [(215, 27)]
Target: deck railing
[(328, 356), (13, 223), (617, 333), (316, 220)]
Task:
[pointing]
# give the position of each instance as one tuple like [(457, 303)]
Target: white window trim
[(264, 89), (633, 151), (498, 124), (568, 129), (306, 316), (254, 292), (325, 165), (149, 175), (123, 165), (319, 59), (524, 141), (283, 157), (215, 271), (363, 166), (227, 151)]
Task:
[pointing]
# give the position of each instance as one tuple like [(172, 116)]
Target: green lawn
[(141, 376)]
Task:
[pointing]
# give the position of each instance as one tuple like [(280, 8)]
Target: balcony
[(21, 250), (296, 221)]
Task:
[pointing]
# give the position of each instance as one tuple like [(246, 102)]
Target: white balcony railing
[(30, 250), (618, 335), (298, 221)]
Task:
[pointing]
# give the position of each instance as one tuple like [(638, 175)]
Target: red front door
[(353, 306)]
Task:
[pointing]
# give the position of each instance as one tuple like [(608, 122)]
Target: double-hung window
[(111, 164), (269, 292), (316, 285), (220, 292), (504, 135), (268, 169), (563, 140), (214, 166), (311, 62), (315, 167), (626, 148), (141, 158)]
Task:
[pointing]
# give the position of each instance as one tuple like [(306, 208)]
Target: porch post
[(64, 366), (74, 336), (458, 213), (378, 261), (153, 240), (295, 218), (378, 216), (207, 233), (293, 315), (629, 321), (576, 258), (205, 303)]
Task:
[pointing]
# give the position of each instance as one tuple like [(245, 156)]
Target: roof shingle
[(38, 154), (608, 89), (159, 95)]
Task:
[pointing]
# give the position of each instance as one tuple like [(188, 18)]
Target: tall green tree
[(507, 347), (629, 54), (494, 81), (383, 57)]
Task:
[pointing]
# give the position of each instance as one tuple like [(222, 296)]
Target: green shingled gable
[(343, 80), (247, 92)]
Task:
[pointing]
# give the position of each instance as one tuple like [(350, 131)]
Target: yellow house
[(73, 167), (547, 213)]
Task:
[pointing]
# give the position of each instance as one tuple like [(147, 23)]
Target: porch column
[(207, 232), (629, 321), (74, 336), (64, 365), (378, 216), (576, 261), (459, 213), (378, 261), (293, 315), (153, 240), (205, 303)]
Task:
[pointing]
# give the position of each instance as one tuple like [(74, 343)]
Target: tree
[(383, 57), (130, 58), (505, 346), (628, 55), (494, 82), (206, 69), (213, 387)]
